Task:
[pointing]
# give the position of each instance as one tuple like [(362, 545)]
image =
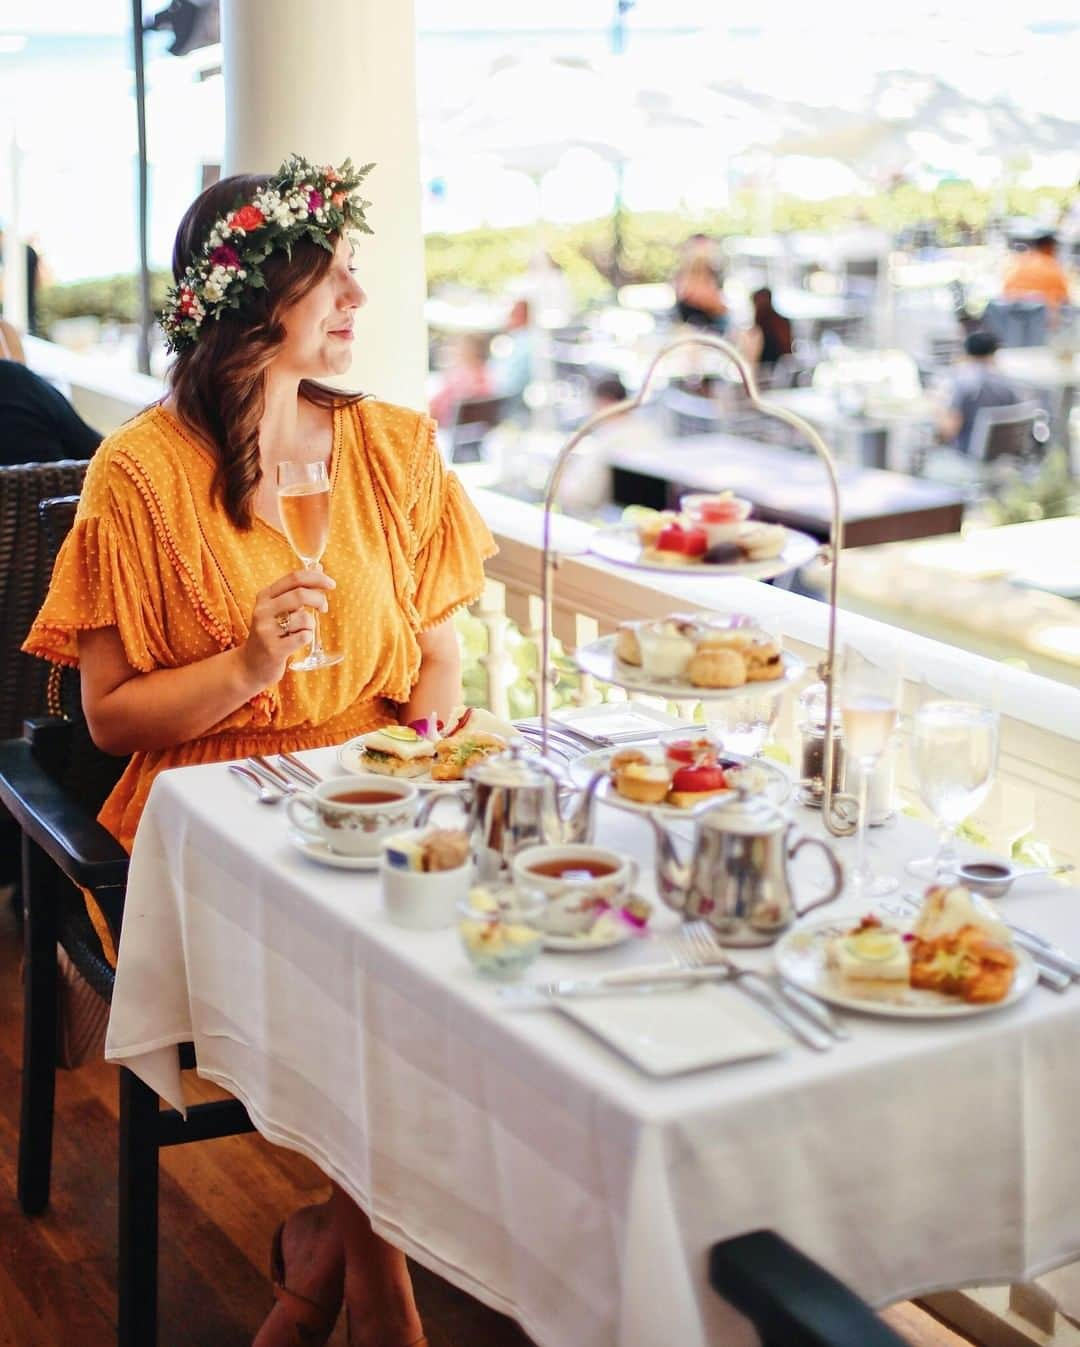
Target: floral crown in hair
[(299, 202)]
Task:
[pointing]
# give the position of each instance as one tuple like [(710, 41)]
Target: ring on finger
[(283, 622)]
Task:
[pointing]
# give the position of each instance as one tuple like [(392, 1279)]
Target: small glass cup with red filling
[(720, 516), (689, 747)]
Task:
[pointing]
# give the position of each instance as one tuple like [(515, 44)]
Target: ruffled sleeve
[(106, 575), (451, 541)]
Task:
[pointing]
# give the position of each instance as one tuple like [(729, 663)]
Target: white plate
[(581, 769), (665, 1033), (620, 544), (598, 658), (801, 958), (319, 851)]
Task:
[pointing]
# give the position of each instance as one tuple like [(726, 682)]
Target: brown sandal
[(313, 1322)]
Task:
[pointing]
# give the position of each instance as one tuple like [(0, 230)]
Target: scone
[(627, 645), (763, 660), (716, 668)]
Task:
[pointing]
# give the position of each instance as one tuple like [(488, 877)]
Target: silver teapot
[(737, 876), (513, 801)]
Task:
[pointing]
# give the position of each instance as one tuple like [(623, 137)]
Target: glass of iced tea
[(304, 501)]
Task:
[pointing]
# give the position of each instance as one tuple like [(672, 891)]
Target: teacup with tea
[(352, 816), (580, 883)]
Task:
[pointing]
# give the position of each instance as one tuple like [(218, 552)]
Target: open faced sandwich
[(402, 750), (954, 948), (690, 771), (704, 650), (714, 529)]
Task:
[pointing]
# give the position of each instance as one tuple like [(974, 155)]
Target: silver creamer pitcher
[(737, 877)]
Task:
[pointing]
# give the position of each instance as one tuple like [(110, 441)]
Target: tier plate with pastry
[(430, 760), (698, 656), (711, 534), (955, 959), (674, 779)]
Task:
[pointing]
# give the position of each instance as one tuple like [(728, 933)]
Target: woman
[(770, 336), (182, 603), (699, 292)]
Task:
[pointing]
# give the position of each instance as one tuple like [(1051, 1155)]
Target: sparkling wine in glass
[(304, 502), (954, 747), (869, 706)]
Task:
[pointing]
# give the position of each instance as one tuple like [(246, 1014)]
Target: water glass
[(869, 706)]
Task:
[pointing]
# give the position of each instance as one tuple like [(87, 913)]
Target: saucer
[(576, 944), (319, 851)]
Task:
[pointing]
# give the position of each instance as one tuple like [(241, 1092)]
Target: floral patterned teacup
[(354, 815)]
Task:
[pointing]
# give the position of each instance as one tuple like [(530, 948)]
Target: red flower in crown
[(224, 256), (314, 200), (187, 300), (246, 218), (337, 199)]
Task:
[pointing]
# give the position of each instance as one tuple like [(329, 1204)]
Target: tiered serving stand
[(839, 811)]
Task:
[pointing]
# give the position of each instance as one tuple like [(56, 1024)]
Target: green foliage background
[(487, 259)]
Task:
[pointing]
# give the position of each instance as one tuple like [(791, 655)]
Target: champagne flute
[(304, 501), (954, 748), (869, 705)]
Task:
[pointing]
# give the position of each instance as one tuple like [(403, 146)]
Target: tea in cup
[(580, 883), (352, 816)]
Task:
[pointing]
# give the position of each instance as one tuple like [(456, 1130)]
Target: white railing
[(1038, 789)]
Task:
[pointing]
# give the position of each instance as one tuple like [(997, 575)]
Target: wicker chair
[(791, 1300), (25, 567), (53, 781)]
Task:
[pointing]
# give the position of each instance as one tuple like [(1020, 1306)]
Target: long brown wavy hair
[(219, 382)]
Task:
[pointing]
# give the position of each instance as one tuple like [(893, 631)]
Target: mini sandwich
[(476, 720), (458, 751), (397, 751)]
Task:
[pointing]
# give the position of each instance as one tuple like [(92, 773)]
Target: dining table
[(785, 486), (516, 1154)]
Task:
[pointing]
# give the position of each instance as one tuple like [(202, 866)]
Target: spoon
[(993, 879), (266, 795)]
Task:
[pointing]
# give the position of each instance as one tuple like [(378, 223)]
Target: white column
[(15, 296), (329, 79)]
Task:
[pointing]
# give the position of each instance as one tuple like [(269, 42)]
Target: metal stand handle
[(839, 811)]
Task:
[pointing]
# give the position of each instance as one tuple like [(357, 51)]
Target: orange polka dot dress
[(154, 555)]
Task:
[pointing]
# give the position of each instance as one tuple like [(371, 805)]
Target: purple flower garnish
[(224, 256)]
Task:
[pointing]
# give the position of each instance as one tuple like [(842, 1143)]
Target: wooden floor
[(220, 1202)]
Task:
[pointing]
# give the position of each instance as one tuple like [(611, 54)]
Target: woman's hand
[(281, 623)]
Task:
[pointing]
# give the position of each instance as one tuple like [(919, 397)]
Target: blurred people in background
[(699, 292), (979, 383), (512, 353), (1036, 273), (770, 336), (549, 291), (36, 276), (37, 423), (467, 377)]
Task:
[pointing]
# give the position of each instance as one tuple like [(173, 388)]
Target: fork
[(696, 947)]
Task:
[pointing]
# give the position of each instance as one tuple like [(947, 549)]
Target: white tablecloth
[(524, 1161)]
